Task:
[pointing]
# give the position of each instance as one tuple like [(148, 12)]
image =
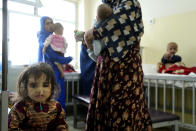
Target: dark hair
[(58, 26), (104, 11), (36, 70)]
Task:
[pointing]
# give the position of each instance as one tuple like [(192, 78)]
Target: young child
[(103, 12), (35, 108), (170, 56), (58, 44)]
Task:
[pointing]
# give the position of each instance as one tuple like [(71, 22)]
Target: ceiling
[(156, 8)]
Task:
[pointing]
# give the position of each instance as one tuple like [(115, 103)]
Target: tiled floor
[(81, 124)]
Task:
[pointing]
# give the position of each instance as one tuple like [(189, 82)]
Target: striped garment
[(33, 116)]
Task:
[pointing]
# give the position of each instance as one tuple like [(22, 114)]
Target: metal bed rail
[(72, 80), (153, 81)]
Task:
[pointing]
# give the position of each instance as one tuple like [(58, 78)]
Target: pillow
[(149, 68)]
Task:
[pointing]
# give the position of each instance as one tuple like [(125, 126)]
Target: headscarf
[(111, 3), (43, 34)]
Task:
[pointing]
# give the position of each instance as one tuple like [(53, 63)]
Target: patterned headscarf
[(43, 34), (111, 3), (123, 30)]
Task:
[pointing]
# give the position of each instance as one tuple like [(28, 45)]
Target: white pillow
[(149, 68)]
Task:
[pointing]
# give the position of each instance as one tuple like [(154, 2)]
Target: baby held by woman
[(96, 46)]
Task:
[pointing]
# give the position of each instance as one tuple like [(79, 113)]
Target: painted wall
[(89, 8), (180, 28)]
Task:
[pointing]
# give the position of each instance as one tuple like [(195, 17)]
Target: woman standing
[(117, 97), (45, 30), (87, 67)]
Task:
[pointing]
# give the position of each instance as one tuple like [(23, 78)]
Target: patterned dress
[(117, 100), (33, 116)]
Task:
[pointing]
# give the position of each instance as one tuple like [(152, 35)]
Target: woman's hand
[(79, 35), (88, 37)]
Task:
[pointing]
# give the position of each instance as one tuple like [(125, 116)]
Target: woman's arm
[(47, 43), (52, 56), (88, 38)]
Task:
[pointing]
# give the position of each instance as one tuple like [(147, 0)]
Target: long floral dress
[(117, 100)]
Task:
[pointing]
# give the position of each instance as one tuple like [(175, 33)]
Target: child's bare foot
[(60, 67), (62, 74)]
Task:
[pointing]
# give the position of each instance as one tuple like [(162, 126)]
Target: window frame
[(36, 14)]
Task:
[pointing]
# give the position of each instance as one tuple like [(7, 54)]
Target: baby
[(58, 44), (94, 48), (170, 56), (35, 108)]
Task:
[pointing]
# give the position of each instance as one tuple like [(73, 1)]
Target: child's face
[(39, 90), (172, 49)]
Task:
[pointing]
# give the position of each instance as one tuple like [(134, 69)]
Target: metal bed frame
[(159, 118), (72, 80), (160, 81)]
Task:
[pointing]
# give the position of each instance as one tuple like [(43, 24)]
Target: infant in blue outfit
[(103, 12)]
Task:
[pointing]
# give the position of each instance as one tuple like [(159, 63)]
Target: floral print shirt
[(34, 116)]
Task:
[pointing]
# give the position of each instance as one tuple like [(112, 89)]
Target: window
[(20, 7), (23, 26), (59, 9), (23, 43)]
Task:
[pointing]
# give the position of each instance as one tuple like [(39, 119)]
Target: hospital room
[(96, 65)]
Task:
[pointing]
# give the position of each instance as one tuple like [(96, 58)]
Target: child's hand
[(167, 55)]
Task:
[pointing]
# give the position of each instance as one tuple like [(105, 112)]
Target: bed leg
[(75, 114), (176, 125)]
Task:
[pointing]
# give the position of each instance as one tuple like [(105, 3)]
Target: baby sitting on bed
[(170, 56), (171, 63)]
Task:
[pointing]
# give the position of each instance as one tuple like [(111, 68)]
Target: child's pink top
[(57, 42)]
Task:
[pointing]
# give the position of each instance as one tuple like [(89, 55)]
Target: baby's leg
[(60, 67)]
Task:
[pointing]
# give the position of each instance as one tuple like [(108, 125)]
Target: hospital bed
[(175, 89), (159, 118), (72, 80)]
